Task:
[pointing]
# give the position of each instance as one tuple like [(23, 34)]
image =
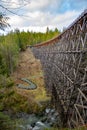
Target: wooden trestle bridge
[(64, 62)]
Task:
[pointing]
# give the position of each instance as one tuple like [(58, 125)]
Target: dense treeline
[(10, 47), (14, 42)]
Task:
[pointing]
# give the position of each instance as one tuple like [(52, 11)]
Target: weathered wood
[(64, 62)]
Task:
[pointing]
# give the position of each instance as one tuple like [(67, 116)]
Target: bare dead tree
[(3, 21), (12, 7)]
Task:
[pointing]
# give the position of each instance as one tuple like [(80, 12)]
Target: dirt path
[(28, 65)]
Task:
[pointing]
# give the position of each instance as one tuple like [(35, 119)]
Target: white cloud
[(38, 14), (65, 19), (42, 4), (38, 21), (14, 3)]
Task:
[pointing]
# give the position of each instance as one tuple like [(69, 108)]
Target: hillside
[(30, 68), (14, 99)]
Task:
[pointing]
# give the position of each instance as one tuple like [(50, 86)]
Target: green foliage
[(10, 46), (30, 38), (12, 43), (8, 55), (5, 122), (13, 102), (6, 82), (79, 128)]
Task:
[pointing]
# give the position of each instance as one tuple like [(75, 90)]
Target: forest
[(14, 42), (12, 103), (43, 91), (11, 46)]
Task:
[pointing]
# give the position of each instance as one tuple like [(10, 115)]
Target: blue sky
[(37, 15), (69, 5)]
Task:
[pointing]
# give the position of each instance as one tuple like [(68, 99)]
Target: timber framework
[(64, 62)]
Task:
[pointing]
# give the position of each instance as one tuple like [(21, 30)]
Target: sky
[(37, 15)]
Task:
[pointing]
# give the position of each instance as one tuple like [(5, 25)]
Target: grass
[(19, 100), (30, 68), (79, 128)]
